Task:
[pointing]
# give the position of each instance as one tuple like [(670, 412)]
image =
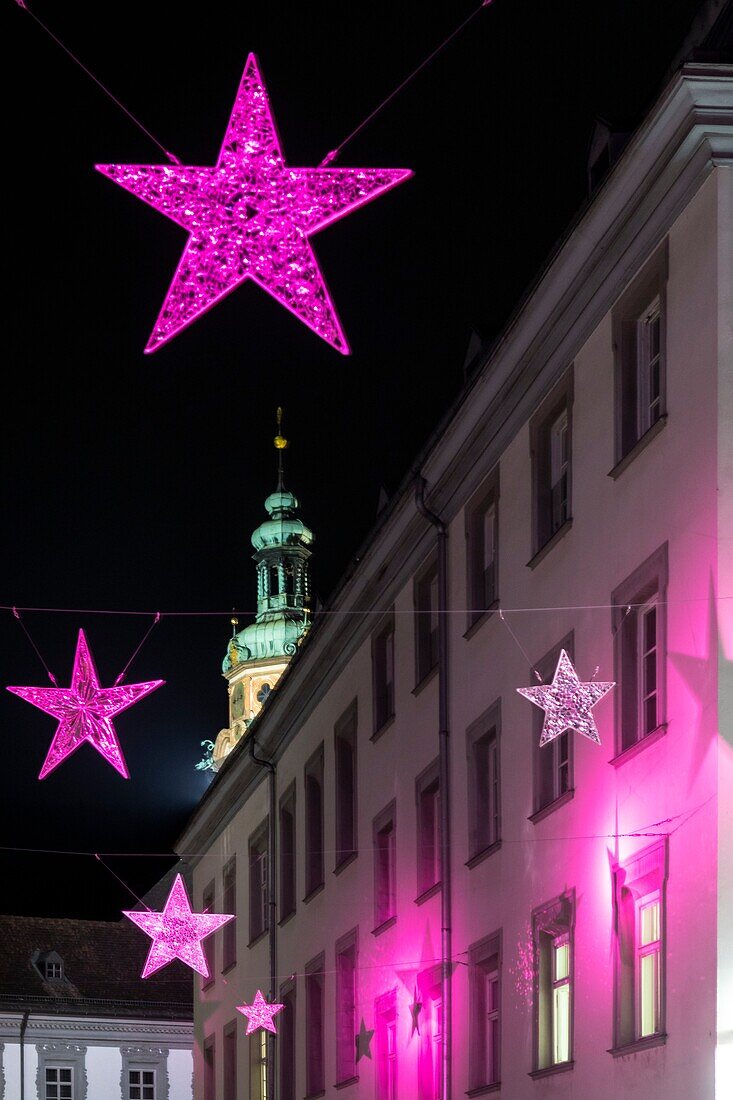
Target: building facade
[(443, 907)]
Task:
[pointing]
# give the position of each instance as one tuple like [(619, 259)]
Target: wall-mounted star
[(177, 932), (85, 711), (250, 217), (567, 702), (363, 1041), (260, 1013)]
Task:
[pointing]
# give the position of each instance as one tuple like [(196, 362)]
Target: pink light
[(260, 1013), (177, 932), (85, 711), (250, 217), (567, 702)]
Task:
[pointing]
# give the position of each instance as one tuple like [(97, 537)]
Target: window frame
[(259, 1064), (287, 868), (208, 1054), (315, 972), (385, 822), (208, 904), (559, 400), (383, 695), (315, 869), (386, 1070), (287, 1031), (229, 905), (346, 946), (259, 885), (149, 1058), (229, 1044), (554, 749), (552, 921), (485, 729), (426, 617), (483, 1070), (345, 732), (428, 779), (482, 501)]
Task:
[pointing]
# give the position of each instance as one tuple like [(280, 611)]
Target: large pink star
[(250, 217), (260, 1013), (85, 711), (567, 702), (177, 932)]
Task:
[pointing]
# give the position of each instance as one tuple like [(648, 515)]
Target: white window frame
[(558, 984), (142, 1085), (641, 655), (653, 948), (57, 1068), (648, 411)]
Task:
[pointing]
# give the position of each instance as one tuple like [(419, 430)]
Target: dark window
[(230, 1061), (552, 933), (229, 905), (345, 753), (553, 762), (209, 1069), (209, 944), (484, 980), (346, 1006), (427, 790), (287, 853), (141, 1084), (639, 624), (426, 621), (383, 672), (482, 546), (385, 852), (53, 971), (482, 750), (258, 883), (385, 1019), (314, 1034), (286, 1041), (59, 1083), (314, 822), (639, 328), (550, 440)]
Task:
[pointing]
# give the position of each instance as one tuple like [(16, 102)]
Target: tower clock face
[(238, 700)]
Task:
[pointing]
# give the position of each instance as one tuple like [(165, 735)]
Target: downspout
[(271, 1090), (446, 945), (23, 1026)]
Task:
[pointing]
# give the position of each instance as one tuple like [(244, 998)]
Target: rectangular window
[(346, 785), (314, 822), (314, 1034), (383, 672), (648, 963), (59, 1083), (553, 761), (141, 1084), (209, 1069), (385, 1017), (346, 1028), (482, 543), (484, 961), (258, 1065), (425, 597), (552, 931), (385, 864), (209, 944), (639, 626), (286, 1041), (229, 905), (287, 853), (258, 883), (649, 366), (427, 792), (551, 446), (229, 1053), (430, 1050), (482, 751)]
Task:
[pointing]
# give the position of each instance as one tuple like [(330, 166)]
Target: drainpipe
[(23, 1026), (271, 1089), (446, 946)]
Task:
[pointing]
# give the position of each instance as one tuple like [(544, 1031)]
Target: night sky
[(133, 482)]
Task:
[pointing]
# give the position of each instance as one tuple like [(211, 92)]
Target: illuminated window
[(484, 962), (561, 999), (258, 1065), (648, 965), (385, 1016), (553, 950), (482, 751)]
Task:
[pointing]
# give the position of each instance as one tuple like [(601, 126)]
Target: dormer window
[(50, 966), (54, 971)]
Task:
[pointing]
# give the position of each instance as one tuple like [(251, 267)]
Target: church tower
[(257, 655)]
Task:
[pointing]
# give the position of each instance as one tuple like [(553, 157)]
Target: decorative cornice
[(100, 1032)]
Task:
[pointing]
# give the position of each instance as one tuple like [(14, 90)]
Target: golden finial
[(280, 440)]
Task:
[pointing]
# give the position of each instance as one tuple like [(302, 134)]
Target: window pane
[(649, 994), (561, 1024), (562, 961), (649, 923)]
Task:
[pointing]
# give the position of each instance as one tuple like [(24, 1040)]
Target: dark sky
[(133, 482)]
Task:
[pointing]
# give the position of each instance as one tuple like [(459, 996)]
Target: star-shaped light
[(177, 932), (85, 711), (363, 1041), (260, 1013), (250, 217), (567, 702)]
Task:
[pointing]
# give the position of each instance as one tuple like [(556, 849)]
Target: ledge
[(545, 811), (429, 893), (316, 890), (228, 968), (348, 1081), (346, 862), (551, 542), (638, 447), (639, 746), (287, 917), (382, 729), (314, 1095), (479, 621), (484, 1090), (384, 925), (425, 680), (260, 936), (638, 1045), (550, 1071), (479, 857)]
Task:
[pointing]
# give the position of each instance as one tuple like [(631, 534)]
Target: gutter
[(23, 1026), (446, 934), (272, 906)]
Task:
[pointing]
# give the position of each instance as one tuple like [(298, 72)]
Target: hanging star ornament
[(260, 1013), (177, 932), (85, 711), (363, 1041), (251, 217), (567, 702)]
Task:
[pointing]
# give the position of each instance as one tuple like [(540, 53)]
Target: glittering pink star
[(85, 711), (567, 702), (260, 1013), (177, 932), (250, 217)]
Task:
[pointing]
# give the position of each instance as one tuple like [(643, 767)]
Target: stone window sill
[(288, 916), (256, 939), (638, 447), (349, 1081), (638, 1045), (639, 746), (429, 893), (479, 857), (384, 925), (545, 811), (476, 624), (550, 544), (382, 729), (429, 675), (550, 1071), (484, 1090), (312, 893), (346, 862)]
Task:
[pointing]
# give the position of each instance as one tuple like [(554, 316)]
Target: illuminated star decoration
[(85, 711), (363, 1041), (260, 1013), (250, 217), (567, 702), (177, 932)]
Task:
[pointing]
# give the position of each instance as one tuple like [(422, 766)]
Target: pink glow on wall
[(85, 711), (567, 702), (260, 1014), (177, 932), (250, 217)]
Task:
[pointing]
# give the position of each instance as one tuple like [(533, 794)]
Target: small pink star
[(85, 711), (260, 1013), (177, 932), (250, 216), (567, 702)]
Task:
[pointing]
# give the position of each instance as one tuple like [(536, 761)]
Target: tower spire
[(280, 443)]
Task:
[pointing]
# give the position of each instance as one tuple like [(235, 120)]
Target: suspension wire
[(154, 623), (50, 675)]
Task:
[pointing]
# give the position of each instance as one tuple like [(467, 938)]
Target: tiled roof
[(102, 964)]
